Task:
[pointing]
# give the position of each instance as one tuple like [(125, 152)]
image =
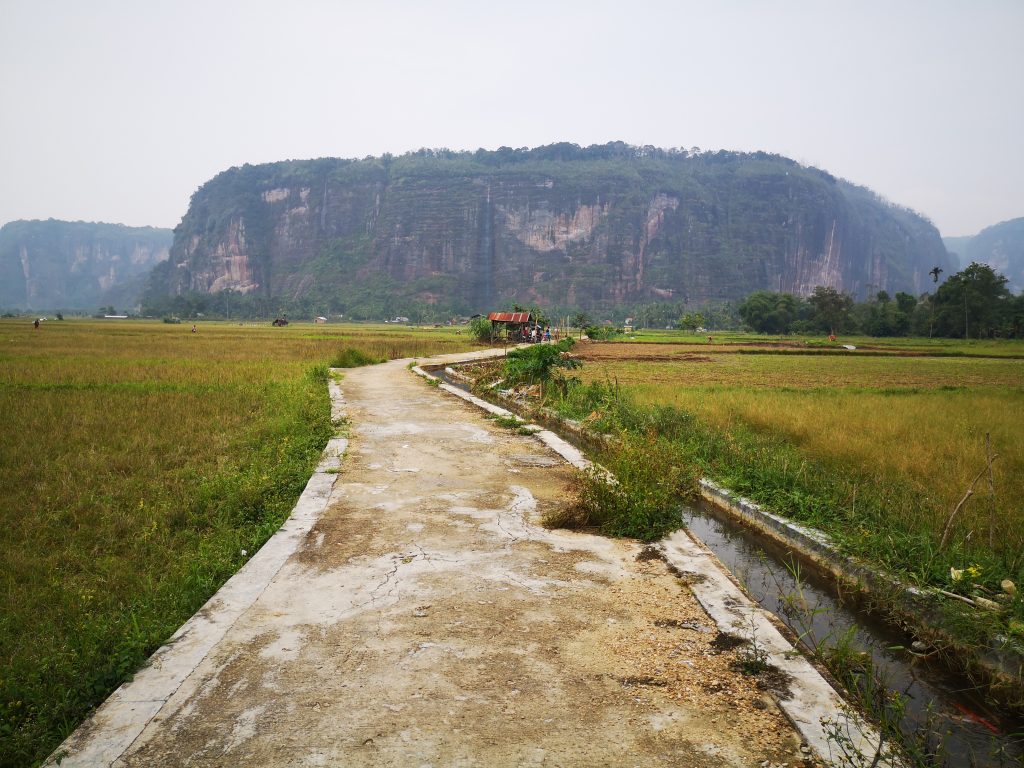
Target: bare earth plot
[(427, 619)]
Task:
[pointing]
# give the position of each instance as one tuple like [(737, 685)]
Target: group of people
[(534, 334)]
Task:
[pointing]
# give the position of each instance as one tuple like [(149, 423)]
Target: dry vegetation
[(142, 465), (919, 421)]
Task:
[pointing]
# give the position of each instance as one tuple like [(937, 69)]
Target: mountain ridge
[(561, 225)]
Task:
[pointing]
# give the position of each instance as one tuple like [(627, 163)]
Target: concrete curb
[(814, 708), (113, 728), (819, 713), (566, 450)]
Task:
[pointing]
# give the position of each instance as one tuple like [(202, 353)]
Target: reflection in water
[(939, 712)]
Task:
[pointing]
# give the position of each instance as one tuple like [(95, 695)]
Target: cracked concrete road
[(427, 619)]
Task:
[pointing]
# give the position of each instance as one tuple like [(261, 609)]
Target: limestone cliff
[(1001, 246), (52, 265), (562, 225)]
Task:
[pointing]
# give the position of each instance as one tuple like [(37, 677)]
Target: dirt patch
[(725, 642)]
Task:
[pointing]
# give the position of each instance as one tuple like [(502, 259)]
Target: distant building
[(320, 320)]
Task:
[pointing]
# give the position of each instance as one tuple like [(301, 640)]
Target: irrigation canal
[(940, 712), (939, 709)]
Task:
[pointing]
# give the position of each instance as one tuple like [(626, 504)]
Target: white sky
[(118, 110)]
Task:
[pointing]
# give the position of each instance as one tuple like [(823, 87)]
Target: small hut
[(509, 325)]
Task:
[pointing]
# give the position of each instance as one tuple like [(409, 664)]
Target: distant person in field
[(35, 323), (194, 329)]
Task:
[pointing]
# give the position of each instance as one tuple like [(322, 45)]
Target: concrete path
[(426, 618)]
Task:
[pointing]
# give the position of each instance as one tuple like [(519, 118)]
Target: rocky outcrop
[(562, 226), (51, 265)]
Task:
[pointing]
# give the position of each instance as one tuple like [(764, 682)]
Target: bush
[(172, 320), (653, 478), (350, 357), (480, 328), (537, 364), (594, 333)]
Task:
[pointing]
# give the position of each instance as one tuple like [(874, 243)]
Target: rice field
[(903, 433), (140, 466)]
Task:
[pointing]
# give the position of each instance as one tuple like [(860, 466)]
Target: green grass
[(350, 357), (141, 466)]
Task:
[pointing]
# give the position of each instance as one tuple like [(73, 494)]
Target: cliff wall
[(50, 265), (562, 226)]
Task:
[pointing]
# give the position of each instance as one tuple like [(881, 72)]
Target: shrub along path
[(427, 619)]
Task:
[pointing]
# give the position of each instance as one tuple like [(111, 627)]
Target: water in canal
[(941, 713)]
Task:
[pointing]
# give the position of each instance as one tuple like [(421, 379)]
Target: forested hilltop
[(61, 265), (436, 232)]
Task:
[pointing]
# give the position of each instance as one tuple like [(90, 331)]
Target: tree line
[(973, 303)]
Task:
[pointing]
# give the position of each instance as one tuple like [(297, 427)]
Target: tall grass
[(140, 466)]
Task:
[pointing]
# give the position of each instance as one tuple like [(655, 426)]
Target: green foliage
[(538, 363), (602, 333), (653, 478), (831, 310), (691, 321), (480, 329), (351, 357), (770, 312), (975, 302)]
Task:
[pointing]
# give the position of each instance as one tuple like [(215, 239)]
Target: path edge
[(816, 709), (106, 735)]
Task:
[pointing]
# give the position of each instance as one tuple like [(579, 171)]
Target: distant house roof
[(509, 317)]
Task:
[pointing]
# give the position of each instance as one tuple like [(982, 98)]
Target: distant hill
[(957, 247), (1001, 246), (562, 226), (51, 265)]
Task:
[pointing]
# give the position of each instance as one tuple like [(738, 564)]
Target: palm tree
[(936, 271)]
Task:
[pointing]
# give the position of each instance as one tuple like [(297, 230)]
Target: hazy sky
[(118, 111)]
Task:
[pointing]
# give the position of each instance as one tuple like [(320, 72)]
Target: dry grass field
[(903, 427), (140, 466)]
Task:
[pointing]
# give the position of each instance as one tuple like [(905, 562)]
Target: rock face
[(1001, 246), (51, 265), (562, 226)]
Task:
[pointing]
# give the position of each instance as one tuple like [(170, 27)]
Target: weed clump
[(350, 357), (652, 481)]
